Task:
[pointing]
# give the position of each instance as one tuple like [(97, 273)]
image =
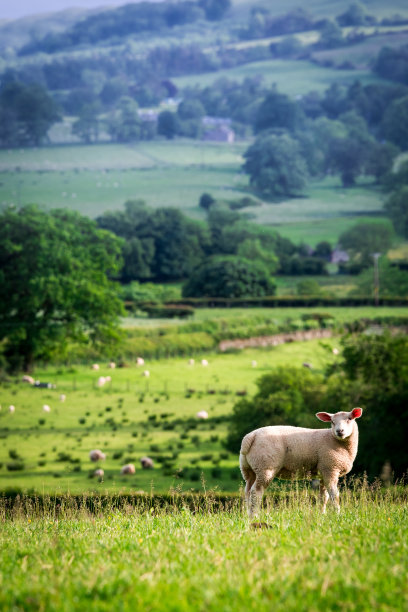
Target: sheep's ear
[(356, 413), (324, 416)]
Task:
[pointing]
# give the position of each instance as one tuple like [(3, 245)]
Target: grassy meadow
[(133, 416), (60, 559), (93, 179)]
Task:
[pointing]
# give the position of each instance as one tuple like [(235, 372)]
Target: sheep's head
[(341, 422)]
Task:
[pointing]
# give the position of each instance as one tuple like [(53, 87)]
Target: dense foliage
[(229, 276), (372, 373), (54, 271)]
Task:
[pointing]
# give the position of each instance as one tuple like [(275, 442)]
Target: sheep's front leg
[(257, 491), (330, 483), (324, 496)]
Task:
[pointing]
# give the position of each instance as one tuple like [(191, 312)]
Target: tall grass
[(130, 558)]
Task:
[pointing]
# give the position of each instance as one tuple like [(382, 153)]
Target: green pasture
[(93, 179), (292, 77), (181, 561), (129, 415)]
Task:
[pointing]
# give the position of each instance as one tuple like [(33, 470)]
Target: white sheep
[(254, 363), (108, 379), (28, 379), (202, 414), (140, 361), (146, 373), (46, 408), (12, 408), (97, 455), (204, 362), (191, 362), (295, 452), (101, 381), (335, 351), (95, 366), (112, 365), (129, 468), (63, 397), (147, 463), (99, 473)]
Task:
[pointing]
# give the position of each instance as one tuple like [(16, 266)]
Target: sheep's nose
[(340, 432)]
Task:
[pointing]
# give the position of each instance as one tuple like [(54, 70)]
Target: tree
[(124, 124), (168, 124), (392, 280), (206, 201), (31, 112), (397, 208), (331, 35), (286, 396), (54, 270), (395, 123), (229, 277), (373, 374), (252, 249), (86, 127), (355, 15), (278, 111), (275, 165), (364, 239)]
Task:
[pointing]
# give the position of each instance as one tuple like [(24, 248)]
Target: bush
[(15, 466), (230, 277)]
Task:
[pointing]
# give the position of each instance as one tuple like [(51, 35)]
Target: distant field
[(93, 179), (293, 77)]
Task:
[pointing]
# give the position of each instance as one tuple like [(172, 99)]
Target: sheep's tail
[(245, 448)]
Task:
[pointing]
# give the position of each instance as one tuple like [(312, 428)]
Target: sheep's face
[(341, 422)]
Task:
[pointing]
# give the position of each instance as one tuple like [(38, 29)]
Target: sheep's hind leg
[(257, 491), (250, 477)]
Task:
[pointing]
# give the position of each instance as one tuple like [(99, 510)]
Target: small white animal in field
[(97, 455), (140, 361), (129, 468), (46, 408), (191, 362), (204, 362), (112, 365), (101, 381), (254, 363), (202, 414), (63, 397), (99, 473), (336, 351), (95, 366), (147, 463), (108, 379), (28, 379), (295, 452), (12, 408), (146, 373)]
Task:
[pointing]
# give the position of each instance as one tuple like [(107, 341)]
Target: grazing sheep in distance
[(97, 455), (335, 351), (204, 362), (191, 362), (28, 379), (129, 468), (99, 473), (46, 408), (147, 463), (295, 452), (202, 414), (254, 363), (12, 408), (112, 365), (63, 397), (140, 361), (95, 366), (146, 373)]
